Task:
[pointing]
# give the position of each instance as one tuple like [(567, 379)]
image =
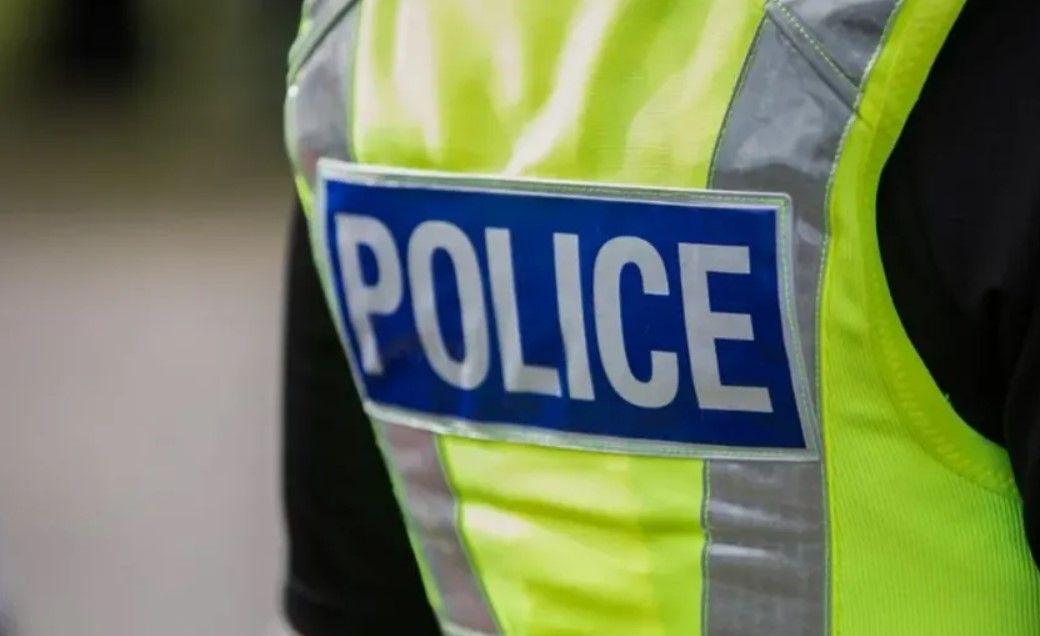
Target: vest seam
[(791, 31), (706, 548), (776, 7)]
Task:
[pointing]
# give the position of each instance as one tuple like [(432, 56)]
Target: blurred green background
[(144, 201), (161, 77)]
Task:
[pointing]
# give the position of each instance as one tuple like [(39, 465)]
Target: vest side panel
[(926, 526)]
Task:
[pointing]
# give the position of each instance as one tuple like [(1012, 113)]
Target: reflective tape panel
[(781, 135), (319, 98), (820, 61), (766, 522), (849, 30), (766, 548), (433, 519)]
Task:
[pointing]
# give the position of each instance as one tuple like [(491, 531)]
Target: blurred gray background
[(143, 209)]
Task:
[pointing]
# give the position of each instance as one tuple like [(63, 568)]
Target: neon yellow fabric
[(483, 87), (925, 523), (565, 541), (582, 543), (926, 533)]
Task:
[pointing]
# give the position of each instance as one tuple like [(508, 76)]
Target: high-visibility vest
[(898, 519)]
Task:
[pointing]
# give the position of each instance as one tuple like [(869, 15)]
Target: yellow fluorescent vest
[(906, 523)]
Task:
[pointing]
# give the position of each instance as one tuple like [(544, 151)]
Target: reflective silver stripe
[(766, 567), (781, 135), (433, 519), (319, 18), (849, 30), (319, 98), (822, 62), (766, 522)]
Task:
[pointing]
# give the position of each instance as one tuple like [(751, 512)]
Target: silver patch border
[(388, 176)]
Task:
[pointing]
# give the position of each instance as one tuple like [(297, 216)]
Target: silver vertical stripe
[(766, 560), (766, 569), (321, 85), (432, 516), (781, 135)]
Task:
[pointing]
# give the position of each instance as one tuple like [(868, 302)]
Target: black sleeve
[(351, 570), (959, 230)]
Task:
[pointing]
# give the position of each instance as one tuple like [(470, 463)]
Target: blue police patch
[(608, 318)]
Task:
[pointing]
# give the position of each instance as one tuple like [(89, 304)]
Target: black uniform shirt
[(959, 227)]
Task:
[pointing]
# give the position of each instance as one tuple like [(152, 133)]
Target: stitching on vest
[(797, 25), (706, 550), (838, 85)]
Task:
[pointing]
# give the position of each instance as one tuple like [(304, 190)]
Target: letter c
[(660, 389)]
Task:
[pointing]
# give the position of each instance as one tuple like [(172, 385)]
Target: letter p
[(364, 300)]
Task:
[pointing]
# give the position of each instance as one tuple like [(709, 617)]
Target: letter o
[(426, 240)]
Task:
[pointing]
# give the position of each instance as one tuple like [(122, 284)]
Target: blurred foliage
[(227, 54), (196, 100), (23, 27)]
